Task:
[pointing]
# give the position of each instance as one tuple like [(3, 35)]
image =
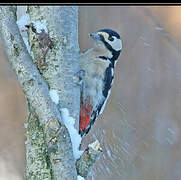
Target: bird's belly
[(94, 87)]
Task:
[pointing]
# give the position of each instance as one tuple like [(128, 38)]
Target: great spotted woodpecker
[(98, 63)]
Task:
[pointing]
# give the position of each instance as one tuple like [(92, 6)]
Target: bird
[(98, 65)]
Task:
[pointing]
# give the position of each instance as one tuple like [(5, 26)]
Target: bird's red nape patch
[(85, 113)]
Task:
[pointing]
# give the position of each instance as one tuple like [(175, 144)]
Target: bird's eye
[(111, 38)]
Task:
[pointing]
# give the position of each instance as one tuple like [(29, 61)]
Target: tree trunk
[(49, 149), (53, 65), (56, 56)]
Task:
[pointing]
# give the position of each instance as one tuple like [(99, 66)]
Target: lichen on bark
[(36, 154)]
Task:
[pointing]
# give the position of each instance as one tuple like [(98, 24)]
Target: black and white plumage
[(98, 63)]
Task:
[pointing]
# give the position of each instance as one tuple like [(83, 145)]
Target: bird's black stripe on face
[(115, 54), (103, 57)]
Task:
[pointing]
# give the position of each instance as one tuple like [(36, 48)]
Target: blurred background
[(140, 129)]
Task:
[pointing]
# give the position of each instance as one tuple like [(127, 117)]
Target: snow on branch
[(74, 135), (80, 178), (54, 96)]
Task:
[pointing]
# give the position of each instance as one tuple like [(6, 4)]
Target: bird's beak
[(95, 36)]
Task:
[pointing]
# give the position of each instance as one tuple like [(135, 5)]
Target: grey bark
[(37, 94), (60, 62), (49, 150)]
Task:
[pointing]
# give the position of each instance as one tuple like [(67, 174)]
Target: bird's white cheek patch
[(116, 44)]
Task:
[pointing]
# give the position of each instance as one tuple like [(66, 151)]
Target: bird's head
[(108, 39)]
